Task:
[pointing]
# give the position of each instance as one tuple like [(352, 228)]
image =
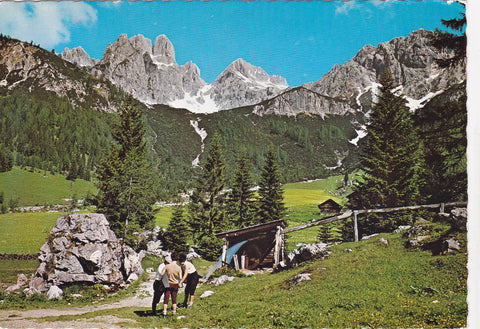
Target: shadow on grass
[(144, 314)]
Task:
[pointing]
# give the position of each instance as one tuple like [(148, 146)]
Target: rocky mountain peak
[(163, 51), (253, 75), (410, 59), (141, 43), (78, 56)]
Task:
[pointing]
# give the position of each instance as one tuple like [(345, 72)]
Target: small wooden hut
[(353, 200), (261, 245), (330, 206)]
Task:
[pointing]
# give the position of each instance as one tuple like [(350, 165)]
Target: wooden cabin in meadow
[(330, 206), (257, 246)]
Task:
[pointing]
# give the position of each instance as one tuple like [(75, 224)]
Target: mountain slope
[(32, 69), (411, 60)]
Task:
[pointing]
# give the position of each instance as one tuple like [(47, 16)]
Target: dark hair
[(182, 257), (175, 255)]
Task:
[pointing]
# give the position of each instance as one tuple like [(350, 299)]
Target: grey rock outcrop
[(152, 75), (22, 280), (243, 84), (451, 245), (301, 100), (303, 253), (411, 60), (221, 280), (149, 73), (54, 293), (83, 248), (78, 56)]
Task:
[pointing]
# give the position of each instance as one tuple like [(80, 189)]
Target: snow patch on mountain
[(201, 102), (415, 104), (362, 132), (203, 134)]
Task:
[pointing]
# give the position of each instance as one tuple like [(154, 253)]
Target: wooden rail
[(346, 214), (279, 239), (425, 206), (349, 213)]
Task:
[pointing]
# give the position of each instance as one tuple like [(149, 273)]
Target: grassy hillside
[(42, 188), (373, 286), (25, 233)]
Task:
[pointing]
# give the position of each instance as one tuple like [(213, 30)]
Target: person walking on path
[(174, 273), (190, 275), (160, 284)]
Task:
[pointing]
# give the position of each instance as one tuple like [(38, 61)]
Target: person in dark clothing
[(190, 275)]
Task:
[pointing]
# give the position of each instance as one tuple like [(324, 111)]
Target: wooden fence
[(281, 232)]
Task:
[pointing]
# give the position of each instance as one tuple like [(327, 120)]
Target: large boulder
[(83, 248)]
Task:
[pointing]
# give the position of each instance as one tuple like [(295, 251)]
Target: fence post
[(442, 208), (235, 261), (224, 251), (276, 255), (355, 225)]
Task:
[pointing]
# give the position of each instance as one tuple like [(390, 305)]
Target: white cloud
[(45, 23), (346, 7)]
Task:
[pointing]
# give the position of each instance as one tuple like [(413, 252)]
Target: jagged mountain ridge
[(302, 100), (27, 67), (152, 75), (411, 60)]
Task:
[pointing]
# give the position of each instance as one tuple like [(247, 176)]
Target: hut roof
[(330, 203), (250, 231)]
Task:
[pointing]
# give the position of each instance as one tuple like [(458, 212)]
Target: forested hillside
[(52, 134), (306, 144)]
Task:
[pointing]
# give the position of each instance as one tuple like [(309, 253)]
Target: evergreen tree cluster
[(213, 207), (51, 135)]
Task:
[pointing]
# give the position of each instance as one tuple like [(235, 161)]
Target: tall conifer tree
[(126, 179), (175, 238), (241, 203), (270, 192), (442, 125), (390, 158), (207, 204)]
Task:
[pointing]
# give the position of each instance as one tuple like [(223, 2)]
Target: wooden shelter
[(353, 200), (330, 206), (262, 246)]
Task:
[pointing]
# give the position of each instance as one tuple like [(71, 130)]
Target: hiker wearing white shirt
[(160, 284), (190, 275)]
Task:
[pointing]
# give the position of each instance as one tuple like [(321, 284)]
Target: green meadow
[(361, 285), (41, 187), (25, 233), (371, 286)]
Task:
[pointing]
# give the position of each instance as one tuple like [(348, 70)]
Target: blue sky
[(300, 41)]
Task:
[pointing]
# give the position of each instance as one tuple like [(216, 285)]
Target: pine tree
[(443, 127), (241, 203), (443, 130), (457, 44), (126, 179), (270, 192), (390, 158), (177, 233), (206, 206)]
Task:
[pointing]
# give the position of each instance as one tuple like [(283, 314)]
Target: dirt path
[(33, 318)]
